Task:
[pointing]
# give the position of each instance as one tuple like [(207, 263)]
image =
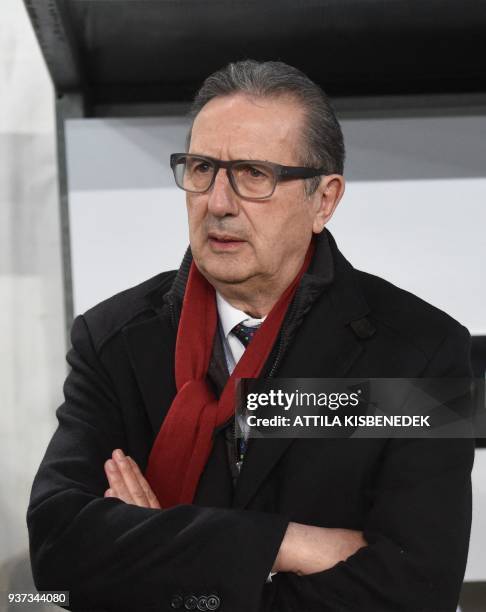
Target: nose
[(222, 200)]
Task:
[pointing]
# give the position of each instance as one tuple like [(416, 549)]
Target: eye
[(201, 167), (254, 172)]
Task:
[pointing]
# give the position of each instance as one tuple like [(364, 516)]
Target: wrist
[(284, 562)]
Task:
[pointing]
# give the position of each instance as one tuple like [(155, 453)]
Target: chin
[(225, 271)]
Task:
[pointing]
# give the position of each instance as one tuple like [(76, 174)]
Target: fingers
[(116, 481), (127, 483), (123, 481), (133, 486), (150, 495)]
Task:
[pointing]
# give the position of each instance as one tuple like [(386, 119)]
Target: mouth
[(224, 241)]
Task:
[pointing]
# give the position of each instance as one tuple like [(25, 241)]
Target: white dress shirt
[(229, 316)]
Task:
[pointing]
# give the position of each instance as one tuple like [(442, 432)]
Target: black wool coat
[(410, 497)]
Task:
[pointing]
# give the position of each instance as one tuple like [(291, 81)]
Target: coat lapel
[(339, 350), (151, 346), (326, 345)]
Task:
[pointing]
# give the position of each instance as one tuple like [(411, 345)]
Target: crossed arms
[(305, 549), (124, 553)]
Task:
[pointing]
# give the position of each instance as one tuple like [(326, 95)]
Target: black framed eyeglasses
[(251, 179)]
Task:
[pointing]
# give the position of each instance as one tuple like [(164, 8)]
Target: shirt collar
[(230, 316)]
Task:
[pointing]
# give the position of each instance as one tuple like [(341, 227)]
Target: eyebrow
[(249, 159)]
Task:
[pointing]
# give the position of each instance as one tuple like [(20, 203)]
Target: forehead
[(243, 127)]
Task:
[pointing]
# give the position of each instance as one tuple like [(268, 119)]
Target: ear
[(327, 197)]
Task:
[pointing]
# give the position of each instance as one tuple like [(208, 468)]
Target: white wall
[(127, 219)]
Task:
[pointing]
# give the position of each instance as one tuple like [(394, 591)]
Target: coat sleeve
[(115, 556), (417, 528)]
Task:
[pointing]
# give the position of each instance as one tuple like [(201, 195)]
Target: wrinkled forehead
[(243, 127)]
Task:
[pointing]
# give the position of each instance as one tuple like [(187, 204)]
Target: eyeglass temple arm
[(300, 172)]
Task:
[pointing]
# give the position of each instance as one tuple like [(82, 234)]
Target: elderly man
[(145, 500)]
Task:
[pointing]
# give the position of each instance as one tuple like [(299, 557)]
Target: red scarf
[(184, 442)]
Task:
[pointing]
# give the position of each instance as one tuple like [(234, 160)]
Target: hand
[(127, 482), (306, 549)]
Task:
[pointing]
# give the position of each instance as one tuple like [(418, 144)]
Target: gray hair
[(323, 144)]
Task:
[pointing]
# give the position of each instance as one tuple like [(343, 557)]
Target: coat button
[(176, 602), (190, 603), (202, 603), (213, 602)]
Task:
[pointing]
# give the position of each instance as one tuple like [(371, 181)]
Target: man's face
[(269, 236)]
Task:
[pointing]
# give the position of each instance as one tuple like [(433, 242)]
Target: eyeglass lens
[(251, 180)]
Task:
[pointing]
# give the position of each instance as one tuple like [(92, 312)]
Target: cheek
[(195, 216), (285, 223), (278, 236)]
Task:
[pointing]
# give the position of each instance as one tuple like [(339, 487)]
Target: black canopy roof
[(146, 51)]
